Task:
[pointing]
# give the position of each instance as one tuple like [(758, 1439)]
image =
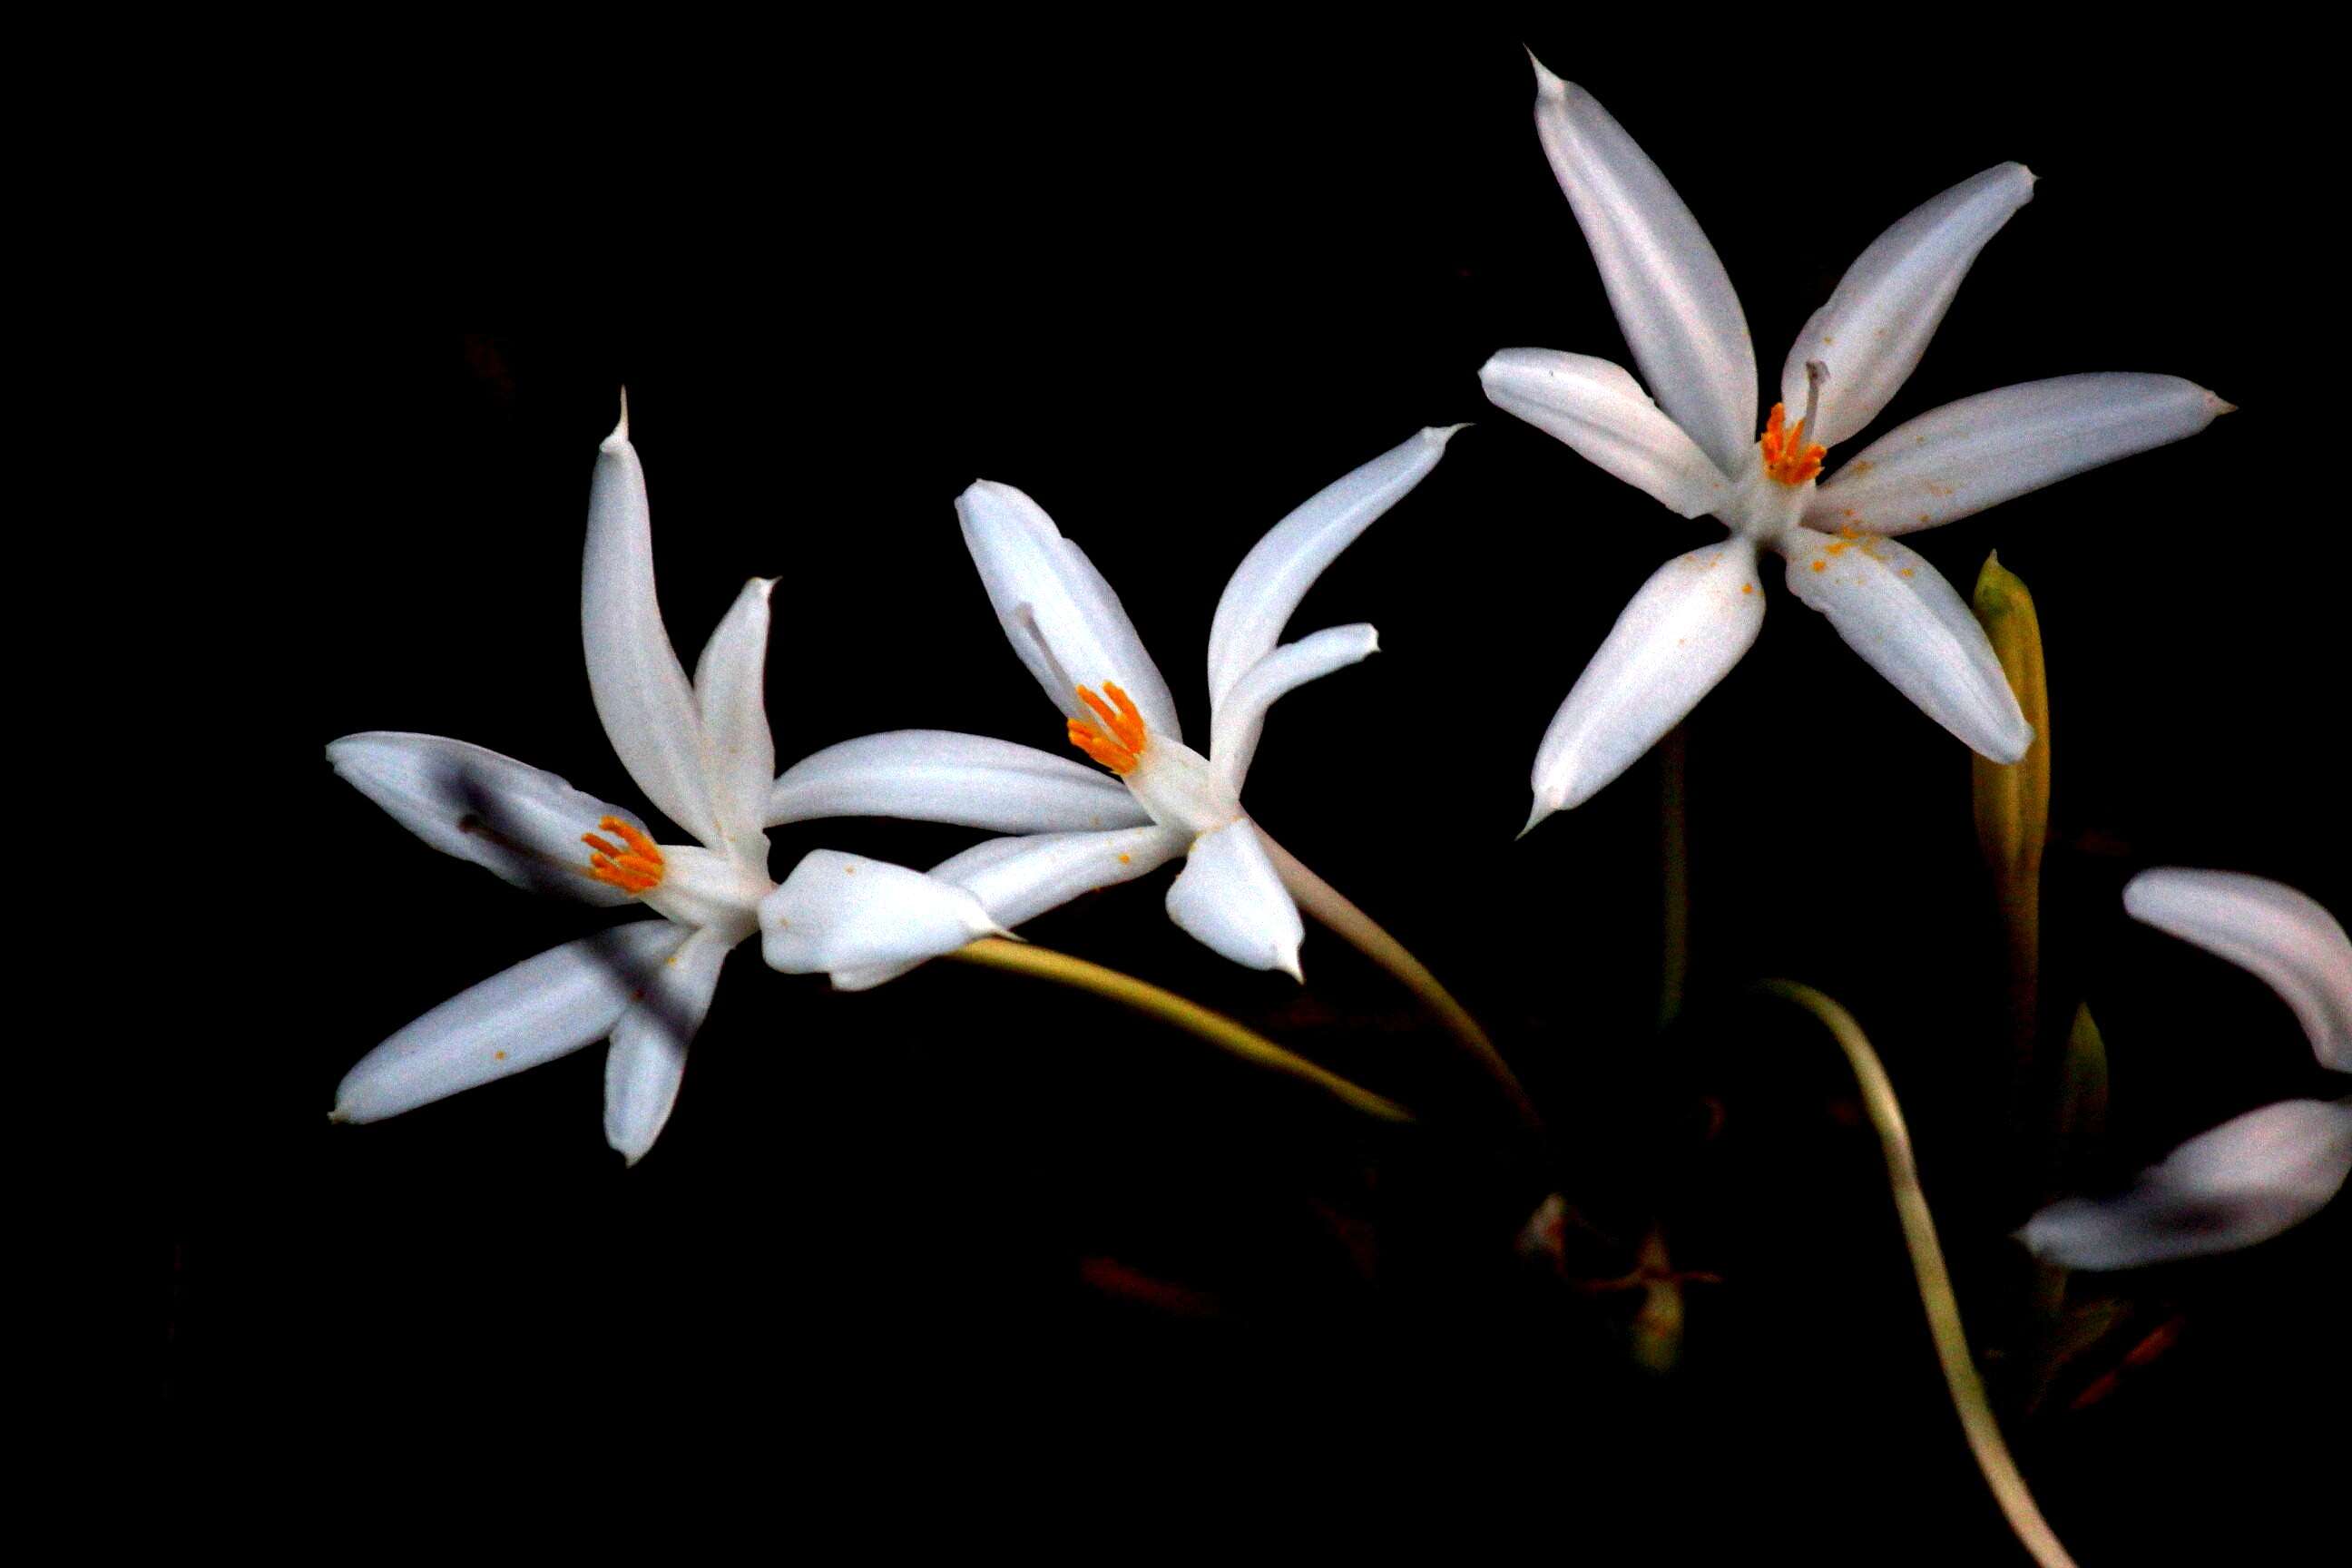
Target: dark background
[(1172, 284)]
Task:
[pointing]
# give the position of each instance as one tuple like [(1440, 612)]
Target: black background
[(1172, 284)]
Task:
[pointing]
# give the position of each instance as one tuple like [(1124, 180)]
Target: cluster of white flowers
[(699, 749)]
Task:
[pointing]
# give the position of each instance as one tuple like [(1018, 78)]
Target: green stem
[(1935, 1295), (1328, 904), (1044, 963)]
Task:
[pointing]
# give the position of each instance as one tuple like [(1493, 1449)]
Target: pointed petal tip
[(620, 435), (1548, 84), (2220, 405), (1438, 435), (338, 1116), (2032, 179), (1289, 966), (1543, 808)]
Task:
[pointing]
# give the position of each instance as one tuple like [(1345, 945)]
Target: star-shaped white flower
[(1695, 450), (1080, 829), (701, 752), (2257, 1175)]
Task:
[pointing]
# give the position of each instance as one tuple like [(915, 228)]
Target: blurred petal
[(1061, 616), (2244, 1182), (938, 775), (1600, 410), (1878, 320), (839, 911), (1683, 631), (1672, 297), (730, 682), (1229, 897), (2268, 928), (1965, 456), (1913, 628), (522, 822), (648, 1059), (640, 688), (1241, 715), (1274, 575), (544, 1008)]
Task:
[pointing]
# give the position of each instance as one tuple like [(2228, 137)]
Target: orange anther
[(638, 870), (1786, 457), (1118, 744)]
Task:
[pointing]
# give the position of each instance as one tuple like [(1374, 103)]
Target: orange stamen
[(1118, 744), (639, 870), (1786, 457)]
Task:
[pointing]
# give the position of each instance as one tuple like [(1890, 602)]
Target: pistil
[(1787, 457)]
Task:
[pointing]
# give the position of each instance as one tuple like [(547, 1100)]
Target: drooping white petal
[(1265, 588), (2244, 1182), (729, 697), (1966, 456), (646, 1061), (640, 687), (522, 822), (1017, 880), (1060, 616), (938, 775), (1241, 717), (1598, 409), (1671, 294), (1908, 623), (839, 911), (1229, 897), (1878, 321), (1683, 631), (2280, 934), (544, 1008)]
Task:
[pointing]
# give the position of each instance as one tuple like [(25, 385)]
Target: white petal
[(648, 1059), (1265, 588), (2244, 1182), (2267, 927), (521, 821), (1878, 320), (1670, 292), (1683, 631), (544, 1008), (1240, 716), (1060, 616), (1017, 880), (1908, 623), (1598, 409), (730, 696), (938, 775), (1966, 456), (839, 911), (640, 688), (1229, 897)]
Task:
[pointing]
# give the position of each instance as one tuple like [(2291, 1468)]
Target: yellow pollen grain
[(1127, 860), (498, 1055), (1821, 565), (1748, 587)]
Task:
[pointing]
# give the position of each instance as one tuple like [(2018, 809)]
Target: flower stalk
[(1044, 963), (1935, 1295)]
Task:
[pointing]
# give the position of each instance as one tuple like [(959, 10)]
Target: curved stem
[(1044, 963), (1328, 904), (1935, 1295)]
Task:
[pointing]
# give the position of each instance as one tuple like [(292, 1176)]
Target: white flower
[(1695, 450), (2259, 1173), (701, 752), (1081, 829)]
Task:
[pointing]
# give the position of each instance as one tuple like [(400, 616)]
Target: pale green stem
[(1044, 963), (1328, 904), (1935, 1295)]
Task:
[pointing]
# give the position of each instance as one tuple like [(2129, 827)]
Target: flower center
[(638, 869), (1787, 457), (1118, 744)]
